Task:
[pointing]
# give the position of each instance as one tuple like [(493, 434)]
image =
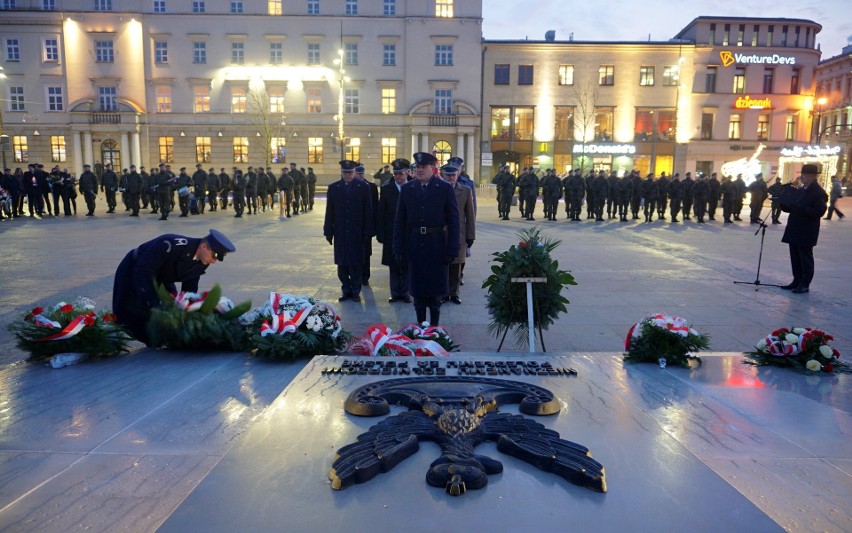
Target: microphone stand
[(762, 230)]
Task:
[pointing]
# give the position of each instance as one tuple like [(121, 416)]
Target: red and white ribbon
[(74, 327), (279, 324), (184, 300), (675, 324)]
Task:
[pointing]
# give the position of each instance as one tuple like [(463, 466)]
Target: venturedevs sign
[(728, 58)]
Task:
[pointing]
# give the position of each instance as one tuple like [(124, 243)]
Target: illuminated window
[(501, 74), (790, 128), (388, 101), (352, 151), (241, 149), (159, 6), (164, 98), (313, 54), (665, 124), (646, 76), (55, 98), (444, 8), (278, 149), (564, 130), (389, 55), (351, 54), (166, 149), (20, 148), (351, 7), (501, 122), (276, 99), (276, 53), (706, 126), (603, 123), (314, 99), (389, 8), (443, 151), (161, 52), (388, 150), (710, 80), (50, 50), (57, 148), (525, 74), (443, 55), (199, 53), (103, 5), (768, 80), (671, 75), (202, 150), (644, 126), (763, 127), (735, 127), (351, 101), (238, 53), (443, 101), (524, 123), (739, 81), (795, 80), (236, 6), (606, 75), (104, 52), (16, 99), (566, 74), (201, 99), (274, 7), (238, 99), (106, 98), (198, 6), (313, 7), (314, 149)]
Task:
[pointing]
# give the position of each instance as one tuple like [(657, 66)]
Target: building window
[(726, 36), (238, 99), (351, 53), (104, 52), (652, 124), (313, 7), (159, 6), (740, 34), (276, 99), (103, 5), (198, 6), (501, 121), (278, 148), (671, 75), (606, 75), (199, 53), (50, 50), (603, 123), (274, 7), (739, 81), (352, 151), (276, 53), (501, 74), (57, 148), (106, 99), (166, 149), (388, 100), (646, 76), (523, 123), (8, 4), (712, 33), (313, 54), (161, 52), (564, 130), (236, 6), (784, 30), (768, 80), (443, 102), (763, 128), (16, 99), (754, 35), (48, 5), (643, 129), (55, 99), (790, 128), (388, 150), (443, 55), (351, 101), (351, 7), (566, 74), (389, 8), (202, 150), (769, 33), (241, 149), (389, 55), (314, 149), (314, 99), (238, 53), (525, 74), (444, 8), (20, 148), (13, 50), (706, 126), (710, 80), (201, 98), (735, 127), (164, 99)]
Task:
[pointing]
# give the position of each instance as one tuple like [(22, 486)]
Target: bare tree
[(586, 96), (268, 124)]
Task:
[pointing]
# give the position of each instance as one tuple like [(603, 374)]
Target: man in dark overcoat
[(426, 236), (805, 209), (385, 217), (349, 220), (166, 260)]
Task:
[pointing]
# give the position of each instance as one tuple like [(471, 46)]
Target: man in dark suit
[(806, 206), (348, 222), (426, 236), (386, 214), (368, 241)]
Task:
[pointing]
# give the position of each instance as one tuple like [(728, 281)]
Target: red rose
[(835, 352), (89, 320), (524, 245), (828, 367), (37, 311), (782, 331), (109, 318), (67, 308)]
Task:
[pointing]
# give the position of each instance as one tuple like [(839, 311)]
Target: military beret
[(810, 168), (401, 165), (424, 158), (219, 244), (345, 165), (198, 165), (182, 169)]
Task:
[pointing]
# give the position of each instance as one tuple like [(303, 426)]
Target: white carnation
[(761, 345), (799, 331), (791, 338), (813, 365), (224, 305), (826, 351)]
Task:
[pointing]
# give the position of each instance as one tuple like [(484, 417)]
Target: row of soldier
[(621, 197)]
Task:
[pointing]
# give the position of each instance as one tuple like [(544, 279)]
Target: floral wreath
[(802, 348), (664, 339)]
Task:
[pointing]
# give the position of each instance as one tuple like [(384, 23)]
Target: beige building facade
[(833, 124)]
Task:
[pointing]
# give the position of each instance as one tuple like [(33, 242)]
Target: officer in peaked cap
[(385, 216), (166, 260)]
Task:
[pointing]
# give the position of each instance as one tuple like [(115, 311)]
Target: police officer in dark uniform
[(89, 188), (426, 236), (349, 221), (109, 186), (166, 260), (385, 217)]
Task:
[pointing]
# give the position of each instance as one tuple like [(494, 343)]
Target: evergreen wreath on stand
[(507, 300)]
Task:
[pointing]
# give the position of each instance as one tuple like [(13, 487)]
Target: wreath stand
[(530, 315)]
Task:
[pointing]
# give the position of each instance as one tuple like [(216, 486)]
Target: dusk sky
[(634, 20)]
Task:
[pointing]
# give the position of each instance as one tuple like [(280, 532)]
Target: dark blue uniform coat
[(349, 219), (418, 238), (385, 219)]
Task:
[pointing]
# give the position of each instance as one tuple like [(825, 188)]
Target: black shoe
[(445, 299), (456, 300), (238, 216), (90, 214), (393, 299), (365, 283), (728, 222), (182, 215), (790, 286), (343, 298), (801, 290), (675, 220), (162, 218), (826, 218)]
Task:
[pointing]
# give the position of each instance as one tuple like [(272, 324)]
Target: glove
[(330, 239), (469, 243)]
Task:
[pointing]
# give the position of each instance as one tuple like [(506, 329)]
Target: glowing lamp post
[(341, 101), (821, 101)]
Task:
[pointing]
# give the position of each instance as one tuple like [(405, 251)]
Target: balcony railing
[(443, 120), (104, 118)]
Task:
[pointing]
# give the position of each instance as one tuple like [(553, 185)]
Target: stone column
[(137, 149), (470, 153), (458, 149), (88, 156), (77, 148), (126, 156), (415, 145)]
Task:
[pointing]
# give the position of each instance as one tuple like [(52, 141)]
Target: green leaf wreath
[(213, 326), (507, 301), (298, 344), (664, 339)]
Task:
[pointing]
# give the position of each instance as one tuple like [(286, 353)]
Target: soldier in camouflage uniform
[(251, 190), (551, 190), (312, 188), (700, 194), (213, 186), (199, 181), (600, 191), (636, 198), (662, 195), (238, 184), (729, 198), (285, 190), (741, 191), (528, 190), (577, 186), (225, 184), (688, 182), (650, 194), (675, 192), (590, 195), (298, 178), (566, 193), (611, 199), (624, 192), (505, 183), (262, 188), (715, 192)]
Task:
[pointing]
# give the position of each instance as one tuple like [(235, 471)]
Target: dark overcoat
[(426, 235), (349, 219), (385, 218), (806, 209)]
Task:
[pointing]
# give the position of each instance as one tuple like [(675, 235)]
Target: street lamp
[(341, 100), (821, 101)]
